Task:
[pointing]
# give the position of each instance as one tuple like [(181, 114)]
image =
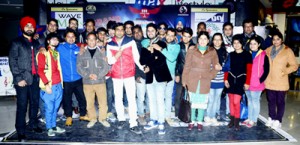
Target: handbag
[(244, 107), (184, 112)]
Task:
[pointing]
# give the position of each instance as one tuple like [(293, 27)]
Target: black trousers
[(75, 87), (29, 93)]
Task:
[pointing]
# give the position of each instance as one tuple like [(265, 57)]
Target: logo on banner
[(91, 9), (219, 17), (183, 10), (144, 12)]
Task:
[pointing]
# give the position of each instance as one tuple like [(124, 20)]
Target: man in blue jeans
[(23, 66)]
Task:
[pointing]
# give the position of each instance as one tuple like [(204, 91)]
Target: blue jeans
[(52, 103), (168, 97), (253, 104), (141, 93), (156, 95), (214, 102), (110, 95)]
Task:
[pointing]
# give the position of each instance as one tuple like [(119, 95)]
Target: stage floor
[(78, 133)]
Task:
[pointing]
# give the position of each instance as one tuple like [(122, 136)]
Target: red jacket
[(124, 66)]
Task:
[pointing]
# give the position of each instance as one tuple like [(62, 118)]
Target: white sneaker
[(269, 122), (104, 123), (207, 121), (276, 124), (42, 120), (214, 122), (74, 115), (91, 124), (59, 130), (51, 132)]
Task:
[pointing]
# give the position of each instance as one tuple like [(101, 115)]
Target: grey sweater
[(87, 65)]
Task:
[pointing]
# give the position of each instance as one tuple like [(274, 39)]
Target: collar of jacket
[(206, 51), (252, 34), (72, 46), (182, 45), (156, 39)]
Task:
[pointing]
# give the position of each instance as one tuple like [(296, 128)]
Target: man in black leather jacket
[(248, 32), (184, 46), (22, 62)]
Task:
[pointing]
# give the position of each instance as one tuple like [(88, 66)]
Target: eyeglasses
[(160, 28)]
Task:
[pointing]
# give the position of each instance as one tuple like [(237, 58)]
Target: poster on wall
[(119, 12), (214, 17), (6, 79), (141, 15), (64, 13)]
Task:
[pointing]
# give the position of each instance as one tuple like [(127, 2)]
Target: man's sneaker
[(121, 124), (214, 122), (42, 120), (269, 122), (58, 130), (104, 123), (51, 132), (111, 117), (276, 124), (151, 125), (91, 124), (161, 129), (75, 115), (227, 117), (218, 117), (136, 130), (245, 122), (207, 121)]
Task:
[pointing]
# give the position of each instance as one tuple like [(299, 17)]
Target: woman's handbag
[(184, 112)]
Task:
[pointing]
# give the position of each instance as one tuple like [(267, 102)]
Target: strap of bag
[(187, 93)]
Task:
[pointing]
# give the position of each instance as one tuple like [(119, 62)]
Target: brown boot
[(237, 124), (231, 123), (84, 118), (69, 121)]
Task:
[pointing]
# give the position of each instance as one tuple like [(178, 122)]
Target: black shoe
[(231, 123), (237, 124), (121, 124), (136, 130), (36, 130), (21, 138)]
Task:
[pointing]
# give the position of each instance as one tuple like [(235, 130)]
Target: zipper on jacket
[(71, 62)]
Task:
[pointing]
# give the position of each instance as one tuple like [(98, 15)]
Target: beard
[(28, 33)]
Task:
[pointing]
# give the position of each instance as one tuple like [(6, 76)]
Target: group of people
[(127, 72)]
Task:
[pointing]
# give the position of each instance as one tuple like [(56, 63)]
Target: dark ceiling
[(11, 9)]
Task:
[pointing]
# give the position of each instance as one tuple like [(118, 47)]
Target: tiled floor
[(290, 124)]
